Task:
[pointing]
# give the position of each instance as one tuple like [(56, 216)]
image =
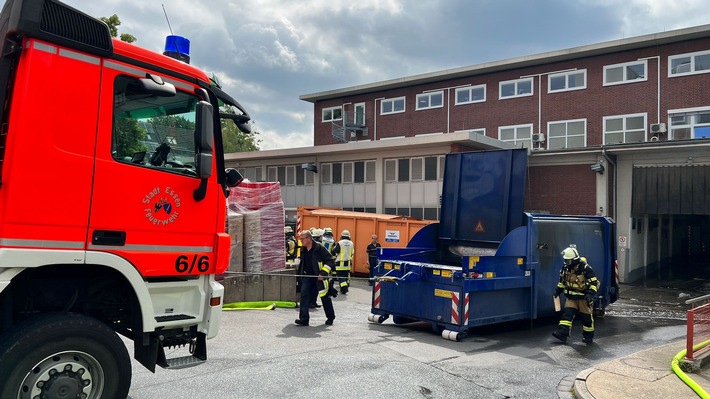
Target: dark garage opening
[(671, 205)]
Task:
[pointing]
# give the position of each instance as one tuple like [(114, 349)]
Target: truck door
[(142, 206)]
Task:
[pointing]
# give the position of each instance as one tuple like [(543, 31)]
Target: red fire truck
[(112, 205)]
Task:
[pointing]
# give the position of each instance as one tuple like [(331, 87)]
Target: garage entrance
[(671, 216)]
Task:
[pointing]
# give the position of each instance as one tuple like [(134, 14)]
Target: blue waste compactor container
[(487, 261)]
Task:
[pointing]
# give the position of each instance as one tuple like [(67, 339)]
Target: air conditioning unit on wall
[(657, 128), (538, 137)]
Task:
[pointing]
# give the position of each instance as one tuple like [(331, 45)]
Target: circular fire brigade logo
[(162, 206)]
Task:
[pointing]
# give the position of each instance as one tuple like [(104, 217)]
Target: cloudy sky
[(268, 52)]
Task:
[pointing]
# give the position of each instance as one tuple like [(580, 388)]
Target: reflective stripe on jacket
[(578, 280)]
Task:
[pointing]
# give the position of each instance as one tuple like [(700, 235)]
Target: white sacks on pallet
[(263, 211)]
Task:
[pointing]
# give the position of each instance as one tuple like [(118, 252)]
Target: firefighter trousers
[(344, 280), (574, 307)]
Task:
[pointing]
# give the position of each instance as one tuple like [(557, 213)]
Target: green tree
[(234, 140), (129, 137), (113, 22)]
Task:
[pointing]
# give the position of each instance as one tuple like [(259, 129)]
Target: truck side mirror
[(234, 178), (204, 139)]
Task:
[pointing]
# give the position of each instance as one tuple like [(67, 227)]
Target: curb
[(580, 384)]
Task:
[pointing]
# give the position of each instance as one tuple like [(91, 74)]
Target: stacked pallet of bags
[(262, 209)]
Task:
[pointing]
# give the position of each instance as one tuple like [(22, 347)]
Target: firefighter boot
[(588, 338), (562, 336)]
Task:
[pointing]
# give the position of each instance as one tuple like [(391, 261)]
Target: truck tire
[(63, 355)]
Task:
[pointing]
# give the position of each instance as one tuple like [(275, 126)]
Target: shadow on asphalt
[(310, 331)]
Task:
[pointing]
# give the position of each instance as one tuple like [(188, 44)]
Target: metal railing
[(698, 324)]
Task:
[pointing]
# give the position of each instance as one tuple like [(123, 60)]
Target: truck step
[(183, 362), (173, 317)]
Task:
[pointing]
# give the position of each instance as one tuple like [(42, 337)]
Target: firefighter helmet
[(288, 229), (346, 233), (328, 231), (570, 253), (317, 232)]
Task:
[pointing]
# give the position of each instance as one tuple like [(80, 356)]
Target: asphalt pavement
[(263, 354)]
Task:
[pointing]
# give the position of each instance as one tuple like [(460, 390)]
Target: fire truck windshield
[(153, 131)]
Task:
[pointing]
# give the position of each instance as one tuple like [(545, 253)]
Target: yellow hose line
[(687, 380)]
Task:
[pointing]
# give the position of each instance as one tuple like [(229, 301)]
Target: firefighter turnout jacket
[(344, 250), (317, 261), (578, 280)]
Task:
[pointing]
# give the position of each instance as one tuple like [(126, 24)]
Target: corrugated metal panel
[(671, 190)]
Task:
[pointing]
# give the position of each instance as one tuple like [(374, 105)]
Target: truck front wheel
[(63, 356)]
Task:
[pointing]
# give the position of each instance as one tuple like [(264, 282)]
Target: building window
[(625, 129), (290, 175), (566, 81), (431, 213), (403, 169), (470, 95), (392, 106), (309, 177), (359, 171), (628, 72), (369, 171), (689, 64), (567, 134), (347, 172), (518, 135), (325, 175), (417, 213), (301, 175), (690, 125), (282, 175), (337, 173), (442, 164), (430, 164), (332, 114), (417, 169), (390, 170), (516, 88), (359, 114), (430, 100), (252, 173), (272, 174)]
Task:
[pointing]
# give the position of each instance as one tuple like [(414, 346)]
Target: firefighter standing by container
[(579, 284), (291, 245), (372, 254), (314, 269), (327, 239), (344, 251)]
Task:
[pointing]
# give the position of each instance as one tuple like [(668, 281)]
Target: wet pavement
[(263, 354)]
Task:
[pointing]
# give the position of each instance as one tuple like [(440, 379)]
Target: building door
[(671, 214)]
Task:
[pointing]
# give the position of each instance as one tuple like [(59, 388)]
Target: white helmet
[(345, 233), (570, 253), (288, 229), (317, 232)]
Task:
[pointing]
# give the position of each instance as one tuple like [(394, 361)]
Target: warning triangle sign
[(479, 227)]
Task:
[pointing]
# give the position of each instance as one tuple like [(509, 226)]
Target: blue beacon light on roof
[(177, 47)]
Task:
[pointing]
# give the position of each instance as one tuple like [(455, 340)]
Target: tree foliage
[(234, 140), (113, 22), (129, 137)]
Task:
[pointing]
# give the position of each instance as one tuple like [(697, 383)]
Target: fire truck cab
[(112, 205)]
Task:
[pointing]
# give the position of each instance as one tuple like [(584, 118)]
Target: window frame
[(332, 119), (429, 95), (692, 64), (516, 82), (470, 94), (625, 130), (566, 75), (515, 141), (625, 79), (393, 100), (566, 136), (691, 125)]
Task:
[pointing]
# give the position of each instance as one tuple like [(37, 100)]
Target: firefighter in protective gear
[(344, 251), (314, 271), (327, 240), (291, 245), (580, 285)]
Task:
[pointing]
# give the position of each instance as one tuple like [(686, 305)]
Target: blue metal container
[(487, 261)]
